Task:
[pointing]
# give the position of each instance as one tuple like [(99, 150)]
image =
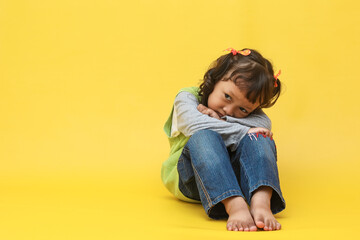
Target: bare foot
[(260, 210), (240, 218)]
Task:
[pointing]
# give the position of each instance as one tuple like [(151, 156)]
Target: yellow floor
[(85, 88), (136, 207)]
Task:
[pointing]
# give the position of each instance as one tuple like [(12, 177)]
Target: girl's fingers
[(204, 109), (211, 113), (200, 107), (207, 111), (269, 134), (214, 115), (265, 131)]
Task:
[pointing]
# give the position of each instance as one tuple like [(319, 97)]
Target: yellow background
[(85, 87)]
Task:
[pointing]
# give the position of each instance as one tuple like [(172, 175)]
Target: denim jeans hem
[(274, 209), (213, 209)]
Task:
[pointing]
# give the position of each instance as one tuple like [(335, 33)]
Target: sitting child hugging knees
[(222, 151)]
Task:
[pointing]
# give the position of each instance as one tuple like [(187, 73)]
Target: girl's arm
[(190, 120), (256, 119), (249, 120)]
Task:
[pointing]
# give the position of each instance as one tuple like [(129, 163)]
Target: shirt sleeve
[(256, 119), (190, 120)]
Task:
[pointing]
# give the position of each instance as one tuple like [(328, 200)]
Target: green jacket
[(169, 173)]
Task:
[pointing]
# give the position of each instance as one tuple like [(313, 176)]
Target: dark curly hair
[(252, 73)]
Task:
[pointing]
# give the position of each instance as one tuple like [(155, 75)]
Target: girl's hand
[(207, 111), (265, 131)]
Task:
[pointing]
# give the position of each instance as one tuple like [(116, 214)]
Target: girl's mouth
[(219, 114)]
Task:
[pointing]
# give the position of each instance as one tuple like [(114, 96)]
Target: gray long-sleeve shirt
[(188, 120)]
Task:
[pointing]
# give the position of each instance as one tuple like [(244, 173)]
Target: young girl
[(222, 152)]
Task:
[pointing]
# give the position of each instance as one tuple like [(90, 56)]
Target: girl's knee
[(258, 145), (205, 136), (206, 144)]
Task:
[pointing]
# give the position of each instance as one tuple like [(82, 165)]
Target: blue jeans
[(210, 173)]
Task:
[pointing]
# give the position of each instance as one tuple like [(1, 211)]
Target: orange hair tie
[(276, 78), (245, 52)]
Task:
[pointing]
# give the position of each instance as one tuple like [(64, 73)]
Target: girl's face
[(228, 99)]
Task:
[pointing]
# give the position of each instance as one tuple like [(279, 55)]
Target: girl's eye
[(227, 97), (243, 110)]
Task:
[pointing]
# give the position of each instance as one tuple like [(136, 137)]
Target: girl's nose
[(228, 111)]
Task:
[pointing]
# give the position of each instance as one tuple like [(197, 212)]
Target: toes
[(265, 220), (246, 229), (278, 226), (229, 227), (272, 226), (267, 225), (232, 227), (260, 224), (259, 221), (241, 227), (236, 228), (250, 227), (253, 228)]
